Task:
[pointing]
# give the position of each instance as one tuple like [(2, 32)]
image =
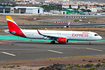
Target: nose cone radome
[(100, 38)]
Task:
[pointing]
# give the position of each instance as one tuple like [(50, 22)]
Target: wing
[(51, 36)]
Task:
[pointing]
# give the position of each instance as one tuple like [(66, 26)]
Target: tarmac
[(17, 48)]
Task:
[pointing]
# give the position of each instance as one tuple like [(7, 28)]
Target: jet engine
[(62, 40)]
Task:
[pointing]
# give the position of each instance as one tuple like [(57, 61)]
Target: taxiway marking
[(55, 51), (8, 53), (94, 49)]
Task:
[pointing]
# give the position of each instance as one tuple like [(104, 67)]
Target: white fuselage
[(70, 35), (59, 36)]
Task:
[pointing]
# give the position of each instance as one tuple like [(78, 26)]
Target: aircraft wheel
[(67, 41), (89, 42), (52, 42)]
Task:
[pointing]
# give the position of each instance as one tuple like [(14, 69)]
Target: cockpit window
[(95, 34)]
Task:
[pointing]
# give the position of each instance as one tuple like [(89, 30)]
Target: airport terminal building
[(21, 10)]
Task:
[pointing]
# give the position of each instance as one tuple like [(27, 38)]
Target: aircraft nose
[(100, 37)]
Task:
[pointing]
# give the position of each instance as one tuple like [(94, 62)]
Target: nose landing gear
[(89, 42)]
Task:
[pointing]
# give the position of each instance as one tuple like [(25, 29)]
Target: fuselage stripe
[(11, 21)]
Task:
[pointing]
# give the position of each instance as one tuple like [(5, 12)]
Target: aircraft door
[(90, 35)]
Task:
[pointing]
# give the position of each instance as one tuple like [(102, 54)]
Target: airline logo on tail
[(13, 27), (10, 19)]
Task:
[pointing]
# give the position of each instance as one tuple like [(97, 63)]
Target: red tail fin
[(13, 27)]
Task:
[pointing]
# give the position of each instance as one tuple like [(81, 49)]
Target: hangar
[(22, 10), (5, 9), (29, 10)]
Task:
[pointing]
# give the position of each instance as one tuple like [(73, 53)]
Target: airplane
[(59, 36), (68, 26)]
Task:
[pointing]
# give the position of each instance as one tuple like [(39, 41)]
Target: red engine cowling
[(62, 40)]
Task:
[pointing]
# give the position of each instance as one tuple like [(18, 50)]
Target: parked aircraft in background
[(59, 36), (68, 26)]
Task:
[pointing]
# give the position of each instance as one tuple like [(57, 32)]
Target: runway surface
[(22, 50), (17, 48), (62, 18), (57, 25), (35, 50)]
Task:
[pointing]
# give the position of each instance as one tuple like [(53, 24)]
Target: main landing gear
[(52, 42)]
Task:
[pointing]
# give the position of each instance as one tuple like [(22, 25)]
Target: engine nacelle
[(62, 40), (46, 38)]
